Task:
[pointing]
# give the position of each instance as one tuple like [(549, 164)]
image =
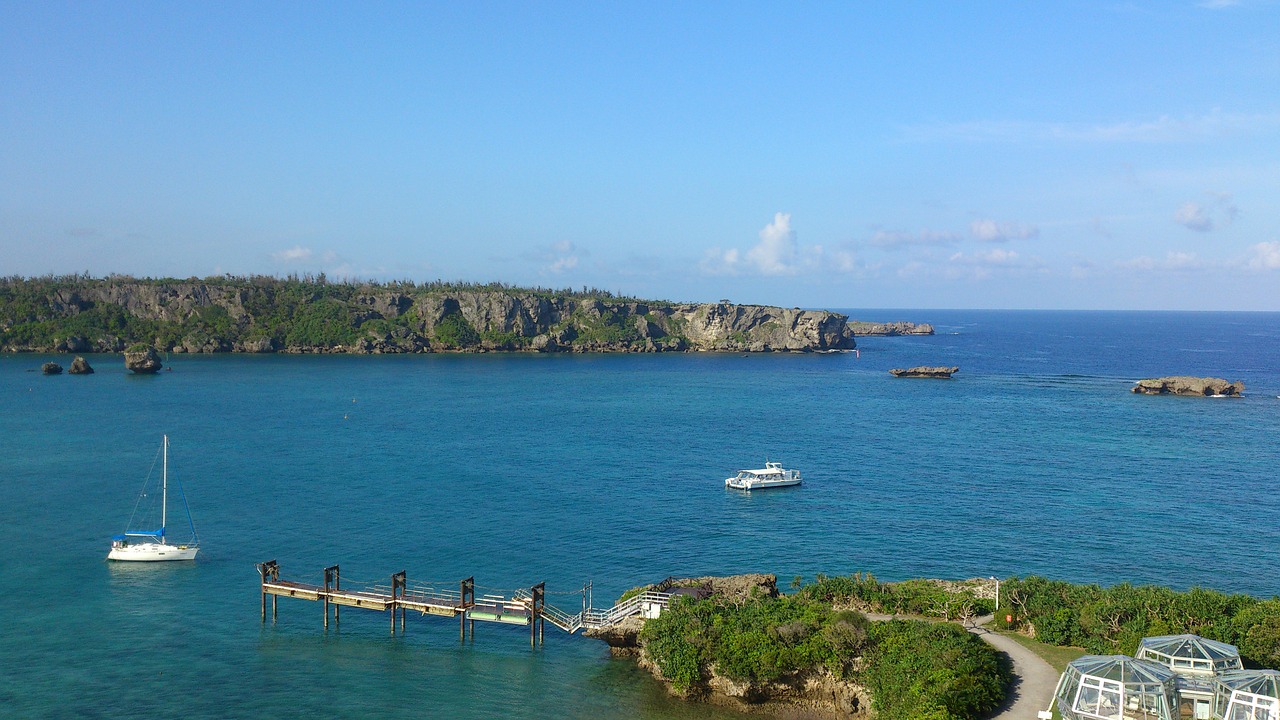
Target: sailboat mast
[(164, 492)]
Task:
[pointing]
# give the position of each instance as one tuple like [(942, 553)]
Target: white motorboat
[(152, 545), (770, 476)]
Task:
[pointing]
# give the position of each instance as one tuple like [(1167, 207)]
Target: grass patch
[(1055, 655)]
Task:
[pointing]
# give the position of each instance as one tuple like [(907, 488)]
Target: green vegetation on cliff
[(912, 669), (311, 314)]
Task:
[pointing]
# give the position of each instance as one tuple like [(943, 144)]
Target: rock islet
[(1190, 386), (942, 373)]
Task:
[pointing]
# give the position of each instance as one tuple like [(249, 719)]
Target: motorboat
[(770, 476)]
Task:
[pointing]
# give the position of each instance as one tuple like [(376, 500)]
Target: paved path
[(1034, 680)]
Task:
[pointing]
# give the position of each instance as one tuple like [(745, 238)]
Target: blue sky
[(985, 155)]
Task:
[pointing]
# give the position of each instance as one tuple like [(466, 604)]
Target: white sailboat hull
[(152, 552)]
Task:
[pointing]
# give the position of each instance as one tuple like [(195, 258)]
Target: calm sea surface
[(609, 468)]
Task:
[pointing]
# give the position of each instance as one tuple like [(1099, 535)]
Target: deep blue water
[(525, 468)]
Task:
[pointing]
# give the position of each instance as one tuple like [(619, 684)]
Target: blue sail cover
[(140, 533)]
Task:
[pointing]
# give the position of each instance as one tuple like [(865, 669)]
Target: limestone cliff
[(273, 315)]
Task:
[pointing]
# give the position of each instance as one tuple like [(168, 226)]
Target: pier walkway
[(524, 606)]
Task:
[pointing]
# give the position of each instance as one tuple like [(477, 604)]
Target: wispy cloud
[(1174, 261), (557, 258), (992, 231), (897, 239), (1195, 216), (1264, 256), (1192, 216), (1219, 4), (293, 255), (1164, 129)]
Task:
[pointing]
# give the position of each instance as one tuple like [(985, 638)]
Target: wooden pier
[(525, 606)]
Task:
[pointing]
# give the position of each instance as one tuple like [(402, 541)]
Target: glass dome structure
[(1116, 687), (1247, 695), (1190, 654)]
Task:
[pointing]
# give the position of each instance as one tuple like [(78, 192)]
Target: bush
[(913, 597), (936, 670), (1113, 620), (913, 669)]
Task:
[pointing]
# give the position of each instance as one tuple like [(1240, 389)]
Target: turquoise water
[(524, 468)]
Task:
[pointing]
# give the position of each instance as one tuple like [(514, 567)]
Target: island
[(925, 372), (1193, 386), (80, 314), (862, 327)]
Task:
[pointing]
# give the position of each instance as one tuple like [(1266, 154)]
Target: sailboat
[(151, 545)]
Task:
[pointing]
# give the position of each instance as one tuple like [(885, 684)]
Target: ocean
[(608, 469)]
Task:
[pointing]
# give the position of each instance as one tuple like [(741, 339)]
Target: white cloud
[(295, 254), (1265, 256), (775, 254), (992, 231), (897, 239), (563, 264), (1219, 4), (1206, 217), (558, 257), (1192, 216)]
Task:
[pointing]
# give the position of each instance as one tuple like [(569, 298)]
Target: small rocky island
[(943, 373), (889, 329), (142, 360), (1193, 386)]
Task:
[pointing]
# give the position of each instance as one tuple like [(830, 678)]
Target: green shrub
[(913, 669), (1113, 620), (454, 331), (917, 669)]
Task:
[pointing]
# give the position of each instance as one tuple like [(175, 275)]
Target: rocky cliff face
[(276, 316)]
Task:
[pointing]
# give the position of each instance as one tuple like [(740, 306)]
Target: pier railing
[(524, 606)]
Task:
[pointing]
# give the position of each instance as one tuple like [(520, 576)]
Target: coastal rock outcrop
[(143, 362), (925, 372), (51, 368), (861, 327), (80, 366), (1184, 385)]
